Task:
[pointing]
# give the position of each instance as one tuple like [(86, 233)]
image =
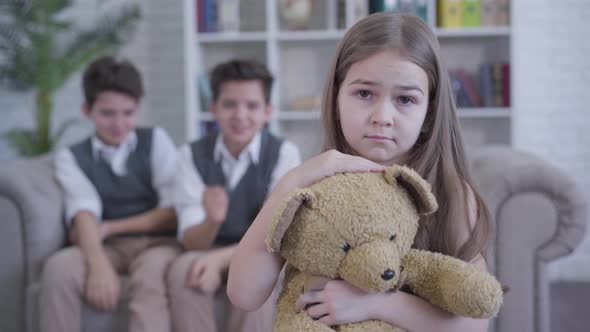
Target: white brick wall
[(551, 82)]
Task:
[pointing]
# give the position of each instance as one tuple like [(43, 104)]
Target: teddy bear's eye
[(391, 238), (346, 247)]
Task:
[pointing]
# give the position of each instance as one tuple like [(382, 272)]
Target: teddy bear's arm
[(452, 284)]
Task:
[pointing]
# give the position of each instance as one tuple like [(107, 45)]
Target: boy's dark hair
[(106, 74), (241, 70)]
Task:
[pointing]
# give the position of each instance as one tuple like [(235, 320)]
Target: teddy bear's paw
[(370, 325)]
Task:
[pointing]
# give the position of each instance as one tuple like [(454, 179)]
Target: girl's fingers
[(318, 311), (327, 320), (308, 298)]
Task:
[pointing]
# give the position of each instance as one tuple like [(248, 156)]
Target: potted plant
[(41, 48)]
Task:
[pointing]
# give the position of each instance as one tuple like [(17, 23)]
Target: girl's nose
[(383, 115)]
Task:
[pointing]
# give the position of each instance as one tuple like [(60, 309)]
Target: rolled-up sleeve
[(79, 193), (163, 165), (188, 192), (289, 158)]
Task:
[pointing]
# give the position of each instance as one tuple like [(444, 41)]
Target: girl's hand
[(338, 303), (329, 163)]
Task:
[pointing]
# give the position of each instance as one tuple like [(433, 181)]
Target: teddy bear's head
[(354, 226)]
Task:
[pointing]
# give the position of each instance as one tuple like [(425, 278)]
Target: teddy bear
[(360, 227)]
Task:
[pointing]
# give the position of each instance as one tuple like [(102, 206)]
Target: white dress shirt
[(81, 195), (189, 188)]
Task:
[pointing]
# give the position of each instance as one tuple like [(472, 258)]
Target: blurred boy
[(117, 186), (222, 181)]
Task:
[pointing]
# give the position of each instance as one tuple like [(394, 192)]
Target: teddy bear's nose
[(388, 275)]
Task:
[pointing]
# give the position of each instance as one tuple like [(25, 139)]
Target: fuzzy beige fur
[(376, 214)]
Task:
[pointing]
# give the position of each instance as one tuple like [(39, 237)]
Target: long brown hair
[(438, 154)]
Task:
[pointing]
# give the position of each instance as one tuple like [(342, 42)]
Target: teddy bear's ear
[(415, 185), (284, 216)]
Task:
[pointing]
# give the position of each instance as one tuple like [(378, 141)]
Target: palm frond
[(32, 57), (25, 142), (111, 32)]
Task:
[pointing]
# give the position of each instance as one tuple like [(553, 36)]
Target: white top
[(81, 195), (189, 188)]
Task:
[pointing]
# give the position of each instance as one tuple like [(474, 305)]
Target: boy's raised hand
[(215, 202), (102, 286)]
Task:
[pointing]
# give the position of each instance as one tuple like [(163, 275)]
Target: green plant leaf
[(25, 142), (112, 31)]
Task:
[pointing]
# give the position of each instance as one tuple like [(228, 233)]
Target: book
[(471, 13), (506, 85), (376, 6), (488, 12), (497, 84), (450, 13), (459, 93), (502, 12), (422, 9), (228, 15), (469, 88), (486, 88)]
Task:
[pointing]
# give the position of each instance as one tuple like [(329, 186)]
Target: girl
[(387, 100)]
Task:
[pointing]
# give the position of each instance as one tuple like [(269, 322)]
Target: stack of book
[(218, 15), (473, 13), (489, 88)]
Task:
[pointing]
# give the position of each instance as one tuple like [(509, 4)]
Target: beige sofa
[(538, 210)]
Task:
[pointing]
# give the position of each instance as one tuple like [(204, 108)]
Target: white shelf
[(310, 35), (484, 112), (231, 37), (473, 32), (294, 57)]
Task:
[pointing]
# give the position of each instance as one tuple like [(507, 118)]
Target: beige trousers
[(194, 311), (144, 259)]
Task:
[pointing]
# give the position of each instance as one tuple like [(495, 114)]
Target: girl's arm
[(414, 314), (253, 270), (340, 303)]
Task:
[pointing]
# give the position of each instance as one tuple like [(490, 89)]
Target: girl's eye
[(392, 238), (364, 94), (346, 247), (405, 100)]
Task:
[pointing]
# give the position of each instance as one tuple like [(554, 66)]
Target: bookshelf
[(299, 60)]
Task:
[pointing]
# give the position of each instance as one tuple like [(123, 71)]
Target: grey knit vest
[(246, 199), (121, 196)]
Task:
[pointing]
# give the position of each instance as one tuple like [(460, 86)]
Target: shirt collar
[(130, 143), (252, 149)]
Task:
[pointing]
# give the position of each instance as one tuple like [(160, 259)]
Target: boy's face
[(114, 116), (241, 111)]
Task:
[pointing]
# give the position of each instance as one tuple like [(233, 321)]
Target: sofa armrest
[(29, 185), (538, 215), (502, 173)]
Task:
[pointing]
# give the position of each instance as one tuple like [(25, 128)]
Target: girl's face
[(382, 104)]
